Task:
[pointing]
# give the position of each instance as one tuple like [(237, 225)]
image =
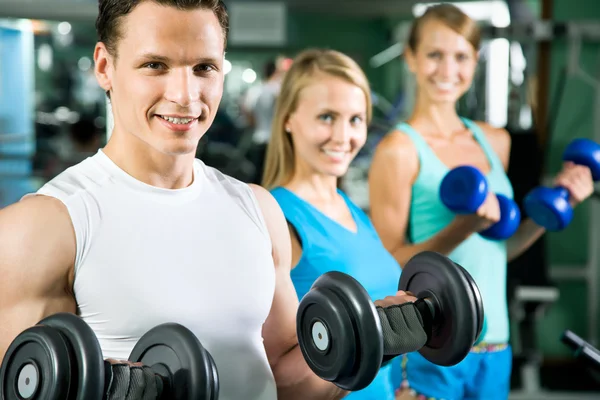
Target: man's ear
[(103, 66)]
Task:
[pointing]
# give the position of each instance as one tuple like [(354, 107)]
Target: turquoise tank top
[(485, 259), (329, 246)]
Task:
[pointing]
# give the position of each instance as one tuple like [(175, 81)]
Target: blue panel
[(17, 136)]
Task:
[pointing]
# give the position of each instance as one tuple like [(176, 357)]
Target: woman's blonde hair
[(280, 157)]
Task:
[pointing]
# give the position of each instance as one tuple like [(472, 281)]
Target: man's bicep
[(37, 249), (279, 330)]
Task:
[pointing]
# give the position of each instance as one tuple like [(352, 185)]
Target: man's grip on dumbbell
[(345, 338), (60, 358)]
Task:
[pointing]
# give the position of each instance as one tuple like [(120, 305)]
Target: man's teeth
[(180, 121)]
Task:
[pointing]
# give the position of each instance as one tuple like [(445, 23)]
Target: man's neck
[(146, 164)]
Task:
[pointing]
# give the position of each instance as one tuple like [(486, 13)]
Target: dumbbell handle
[(161, 374), (427, 310), (163, 383), (563, 192)]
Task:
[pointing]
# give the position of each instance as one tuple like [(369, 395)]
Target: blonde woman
[(320, 124), (407, 169)]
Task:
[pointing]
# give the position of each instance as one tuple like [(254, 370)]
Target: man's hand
[(400, 297), (131, 380)]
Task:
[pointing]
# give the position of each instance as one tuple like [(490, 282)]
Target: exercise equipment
[(60, 359), (581, 348), (345, 338), (187, 369), (550, 207), (464, 189), (482, 333)]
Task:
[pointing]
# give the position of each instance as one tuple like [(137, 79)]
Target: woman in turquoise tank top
[(320, 124), (404, 182)]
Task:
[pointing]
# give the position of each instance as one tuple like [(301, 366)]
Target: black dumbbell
[(340, 330), (60, 359), (175, 354)]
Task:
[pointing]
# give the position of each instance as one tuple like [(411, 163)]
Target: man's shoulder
[(76, 180), (217, 177), (37, 216), (251, 197), (264, 198)]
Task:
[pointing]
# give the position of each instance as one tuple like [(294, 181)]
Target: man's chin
[(180, 151), (178, 148)]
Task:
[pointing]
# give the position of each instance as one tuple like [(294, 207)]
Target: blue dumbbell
[(550, 207), (463, 191)]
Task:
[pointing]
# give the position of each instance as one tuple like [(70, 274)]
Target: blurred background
[(538, 77)]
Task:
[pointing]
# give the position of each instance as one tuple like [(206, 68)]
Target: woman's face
[(329, 125), (444, 63)]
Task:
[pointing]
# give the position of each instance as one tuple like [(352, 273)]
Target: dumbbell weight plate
[(510, 219), (36, 366), (586, 152), (175, 353), (87, 364), (549, 207), (478, 302), (431, 275), (214, 376), (463, 189), (339, 331)]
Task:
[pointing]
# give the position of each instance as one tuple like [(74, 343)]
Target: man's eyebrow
[(154, 57), (166, 60)]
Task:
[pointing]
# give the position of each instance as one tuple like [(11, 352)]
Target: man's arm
[(37, 252), (294, 378)]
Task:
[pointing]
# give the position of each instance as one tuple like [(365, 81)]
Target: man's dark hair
[(111, 12)]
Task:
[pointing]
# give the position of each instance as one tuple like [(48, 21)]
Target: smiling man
[(143, 233)]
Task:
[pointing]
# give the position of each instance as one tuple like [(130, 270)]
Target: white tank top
[(199, 256)]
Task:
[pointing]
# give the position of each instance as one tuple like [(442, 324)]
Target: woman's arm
[(575, 178), (394, 168)]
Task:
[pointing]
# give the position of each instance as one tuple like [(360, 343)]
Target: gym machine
[(582, 349)]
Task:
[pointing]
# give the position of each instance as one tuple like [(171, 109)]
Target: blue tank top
[(329, 246), (484, 259)]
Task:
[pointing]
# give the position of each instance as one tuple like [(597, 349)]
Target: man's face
[(167, 80)]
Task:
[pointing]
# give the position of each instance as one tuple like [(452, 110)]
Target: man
[(142, 233)]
